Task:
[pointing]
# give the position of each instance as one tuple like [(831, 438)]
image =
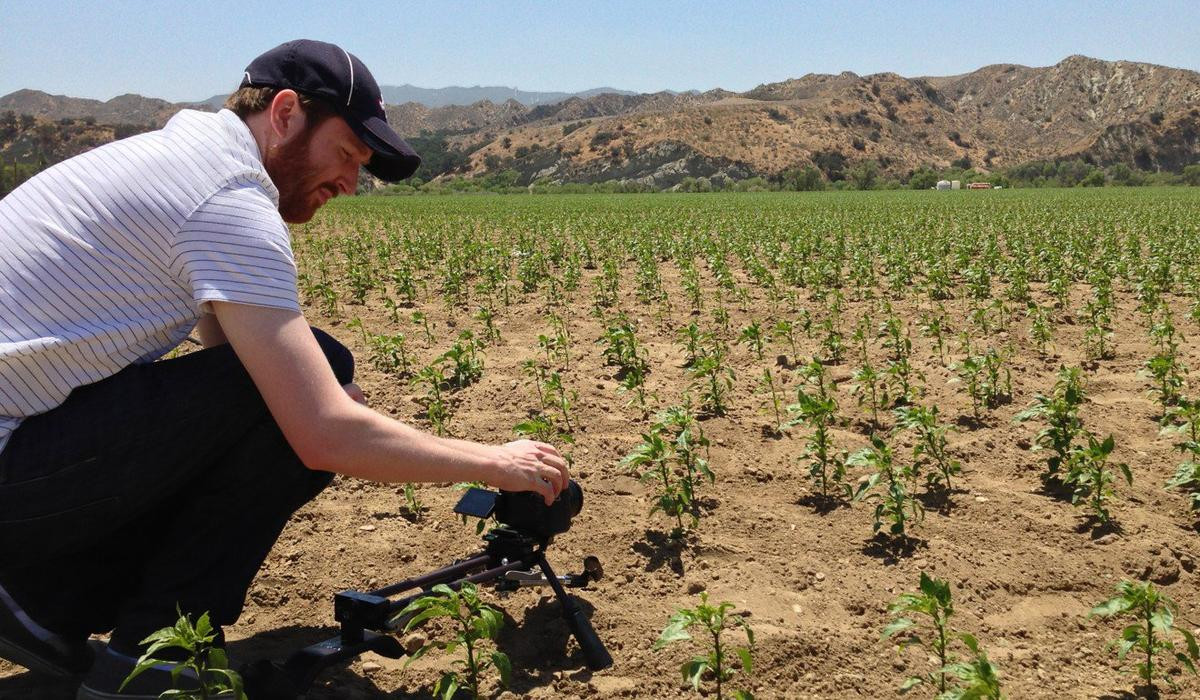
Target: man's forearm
[(373, 446), (466, 446)]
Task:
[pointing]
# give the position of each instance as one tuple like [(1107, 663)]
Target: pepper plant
[(472, 625), (931, 443), (202, 660), (1149, 634), (1060, 410), (1091, 479), (817, 409), (895, 504), (721, 662), (932, 606)]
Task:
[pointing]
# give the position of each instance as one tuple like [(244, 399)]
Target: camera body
[(525, 511)]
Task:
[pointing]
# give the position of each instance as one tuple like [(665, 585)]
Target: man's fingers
[(546, 488), (547, 449)]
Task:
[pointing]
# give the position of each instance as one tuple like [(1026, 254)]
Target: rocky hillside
[(1143, 115), (124, 109), (1106, 112)]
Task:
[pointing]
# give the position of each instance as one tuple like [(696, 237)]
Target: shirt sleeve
[(235, 247)]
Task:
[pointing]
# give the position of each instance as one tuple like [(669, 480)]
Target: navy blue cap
[(330, 73)]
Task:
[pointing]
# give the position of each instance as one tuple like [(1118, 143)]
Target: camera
[(525, 511)]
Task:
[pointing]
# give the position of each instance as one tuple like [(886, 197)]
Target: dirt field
[(1025, 567)]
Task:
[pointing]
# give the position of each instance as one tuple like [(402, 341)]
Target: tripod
[(509, 560)]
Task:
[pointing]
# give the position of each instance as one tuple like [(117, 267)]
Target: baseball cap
[(330, 73)]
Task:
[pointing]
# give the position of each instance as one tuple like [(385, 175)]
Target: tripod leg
[(597, 656)]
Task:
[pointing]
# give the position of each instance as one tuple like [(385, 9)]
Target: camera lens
[(572, 497)]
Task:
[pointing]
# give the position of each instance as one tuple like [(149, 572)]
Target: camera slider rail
[(510, 560)]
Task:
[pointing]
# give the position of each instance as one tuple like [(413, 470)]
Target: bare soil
[(814, 584)]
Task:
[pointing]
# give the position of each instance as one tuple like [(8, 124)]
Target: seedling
[(787, 330), (436, 409), (1060, 410), (389, 353), (871, 390), (1091, 479), (752, 335), (473, 623), (1150, 634), (767, 380), (694, 340), (818, 411), (1040, 330), (931, 443), (1184, 418), (412, 502), (933, 608), (491, 333), (713, 380), (669, 457), (721, 663), (420, 320), (468, 365), (203, 661), (895, 504)]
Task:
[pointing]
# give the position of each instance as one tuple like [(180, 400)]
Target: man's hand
[(527, 465)]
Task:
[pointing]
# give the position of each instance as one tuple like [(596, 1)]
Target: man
[(128, 486)]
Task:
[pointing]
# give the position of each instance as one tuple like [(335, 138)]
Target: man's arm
[(210, 331), (329, 431)]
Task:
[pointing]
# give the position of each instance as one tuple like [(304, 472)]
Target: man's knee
[(339, 356)]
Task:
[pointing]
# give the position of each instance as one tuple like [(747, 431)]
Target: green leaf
[(1192, 649), (897, 626), (447, 686), (674, 632), (1113, 606), (1185, 661), (693, 670), (504, 666), (747, 662)]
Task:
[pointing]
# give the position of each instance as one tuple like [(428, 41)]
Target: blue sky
[(191, 50)]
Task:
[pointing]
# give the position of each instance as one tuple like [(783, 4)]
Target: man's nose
[(348, 183)]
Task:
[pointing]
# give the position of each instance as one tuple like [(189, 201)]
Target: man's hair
[(252, 100)]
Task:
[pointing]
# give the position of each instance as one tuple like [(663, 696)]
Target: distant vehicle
[(979, 186)]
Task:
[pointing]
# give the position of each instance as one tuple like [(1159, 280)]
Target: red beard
[(291, 169)]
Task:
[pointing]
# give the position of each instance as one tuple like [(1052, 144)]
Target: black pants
[(166, 484)]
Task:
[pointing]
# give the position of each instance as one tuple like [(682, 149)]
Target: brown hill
[(123, 109), (1105, 112), (997, 116)]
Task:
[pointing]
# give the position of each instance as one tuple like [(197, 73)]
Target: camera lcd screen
[(477, 503)]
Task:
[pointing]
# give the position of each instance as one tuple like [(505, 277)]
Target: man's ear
[(286, 117)]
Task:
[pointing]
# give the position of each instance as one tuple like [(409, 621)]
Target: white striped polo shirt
[(109, 258)]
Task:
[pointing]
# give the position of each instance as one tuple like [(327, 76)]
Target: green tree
[(864, 174), (807, 179), (1191, 174), (922, 179)]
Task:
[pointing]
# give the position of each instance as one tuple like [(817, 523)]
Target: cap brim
[(394, 159)]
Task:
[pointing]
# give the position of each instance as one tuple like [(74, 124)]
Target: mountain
[(1104, 112), (124, 109), (462, 96), (999, 116)]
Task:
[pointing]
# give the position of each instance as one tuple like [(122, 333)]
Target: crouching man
[(130, 486)]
